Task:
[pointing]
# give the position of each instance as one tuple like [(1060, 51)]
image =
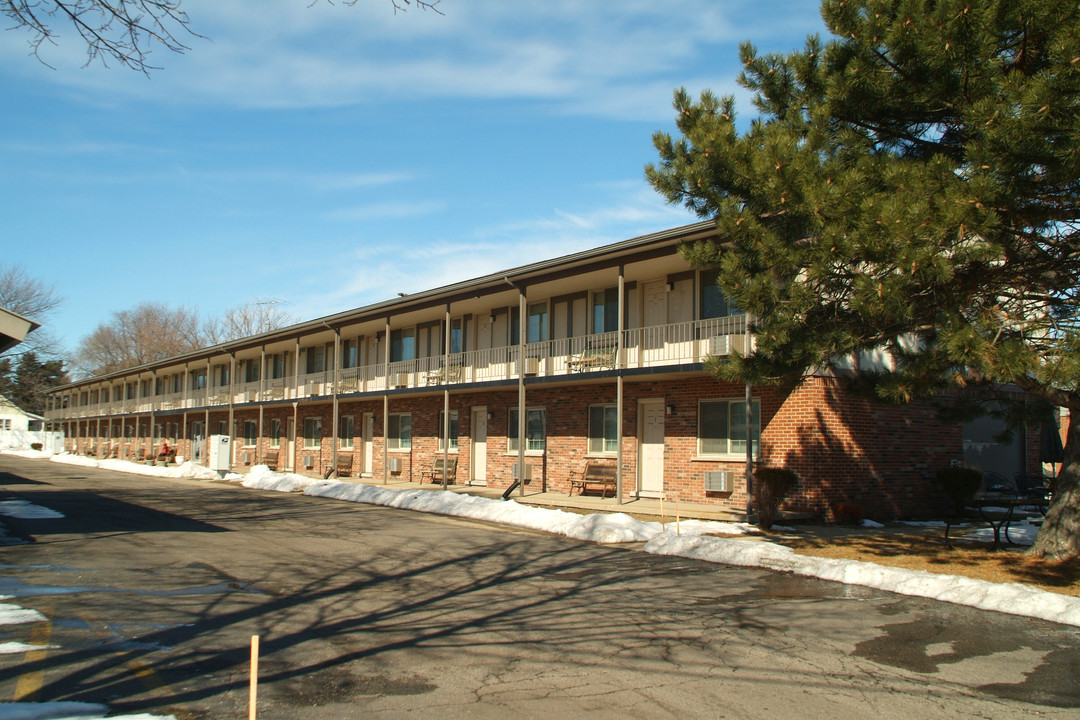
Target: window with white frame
[(536, 329), (251, 433), (251, 371), (402, 344), (399, 431), (275, 366), (453, 430), (312, 432), (535, 420), (605, 307), (275, 432), (603, 423), (345, 432), (714, 303), (722, 427)]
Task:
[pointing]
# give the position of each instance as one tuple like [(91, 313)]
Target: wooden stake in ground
[(253, 694), (662, 523)]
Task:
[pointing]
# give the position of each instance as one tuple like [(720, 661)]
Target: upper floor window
[(605, 310), (316, 359), (350, 353), (457, 336), (402, 344), (537, 328), (251, 371), (275, 366), (714, 303)]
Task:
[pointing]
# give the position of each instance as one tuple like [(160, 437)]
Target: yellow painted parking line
[(28, 686)]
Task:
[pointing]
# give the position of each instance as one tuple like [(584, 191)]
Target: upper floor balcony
[(657, 346)]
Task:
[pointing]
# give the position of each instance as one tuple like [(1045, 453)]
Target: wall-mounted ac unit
[(718, 480), (394, 465), (309, 461), (532, 366), (315, 388), (245, 457), (253, 396), (720, 345), (528, 472), (400, 380)]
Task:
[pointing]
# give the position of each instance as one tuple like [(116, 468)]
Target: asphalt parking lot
[(152, 589)]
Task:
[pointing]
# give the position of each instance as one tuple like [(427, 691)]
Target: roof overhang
[(13, 329)]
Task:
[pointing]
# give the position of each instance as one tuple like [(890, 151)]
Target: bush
[(959, 483), (36, 446), (771, 486)]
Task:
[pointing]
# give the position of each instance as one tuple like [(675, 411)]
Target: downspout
[(619, 366)]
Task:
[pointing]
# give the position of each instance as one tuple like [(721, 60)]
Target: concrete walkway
[(644, 508)]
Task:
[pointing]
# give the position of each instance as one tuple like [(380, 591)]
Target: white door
[(651, 448), (368, 432), (478, 447)]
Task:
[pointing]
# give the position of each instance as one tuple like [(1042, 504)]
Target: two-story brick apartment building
[(593, 356)]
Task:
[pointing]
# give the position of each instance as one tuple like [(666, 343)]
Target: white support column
[(386, 405), (619, 365), (446, 396), (337, 379), (522, 320)]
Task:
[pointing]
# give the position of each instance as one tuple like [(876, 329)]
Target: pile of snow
[(186, 470), (67, 711)]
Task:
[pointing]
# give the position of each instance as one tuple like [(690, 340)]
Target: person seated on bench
[(166, 452)]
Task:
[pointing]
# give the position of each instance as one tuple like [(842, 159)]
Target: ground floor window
[(535, 421), (603, 423), (275, 432), (251, 433), (312, 432), (399, 433), (345, 432), (453, 430), (722, 427)]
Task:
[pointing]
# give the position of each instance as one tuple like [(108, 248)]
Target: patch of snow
[(66, 711), (27, 510), (16, 615), (12, 648), (868, 523), (185, 470)]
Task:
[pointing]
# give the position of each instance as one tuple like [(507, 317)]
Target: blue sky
[(329, 156)]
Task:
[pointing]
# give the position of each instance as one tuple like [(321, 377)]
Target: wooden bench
[(270, 461), (594, 473), (436, 472), (344, 464), (596, 357)]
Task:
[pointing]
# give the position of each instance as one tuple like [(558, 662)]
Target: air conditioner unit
[(394, 465), (718, 480), (245, 457), (532, 366), (315, 388), (528, 472), (720, 345), (309, 461), (401, 380), (253, 396)]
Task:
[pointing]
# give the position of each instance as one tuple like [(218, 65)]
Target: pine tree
[(909, 184)]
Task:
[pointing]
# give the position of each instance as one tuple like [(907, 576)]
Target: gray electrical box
[(220, 452)]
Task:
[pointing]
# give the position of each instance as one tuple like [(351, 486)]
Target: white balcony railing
[(656, 346)]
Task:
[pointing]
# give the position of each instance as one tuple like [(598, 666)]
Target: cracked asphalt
[(152, 589)]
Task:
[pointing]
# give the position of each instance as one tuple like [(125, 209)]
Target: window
[(275, 366), (275, 432), (399, 432), (251, 433), (722, 427), (453, 429), (714, 303), (313, 432), (350, 353), (603, 421), (402, 345), (606, 310), (537, 327), (535, 419), (316, 359), (223, 427), (198, 380), (251, 371), (223, 376), (456, 336), (345, 432)]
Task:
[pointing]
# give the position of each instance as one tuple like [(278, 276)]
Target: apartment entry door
[(478, 447), (650, 448), (291, 440), (368, 432)]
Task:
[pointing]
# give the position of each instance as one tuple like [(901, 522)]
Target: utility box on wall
[(220, 452)]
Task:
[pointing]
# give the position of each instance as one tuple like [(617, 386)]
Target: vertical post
[(337, 379), (619, 365), (522, 320), (749, 450), (262, 390), (386, 405), (253, 682), (446, 396)]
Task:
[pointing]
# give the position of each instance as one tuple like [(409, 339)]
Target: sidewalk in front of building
[(643, 508)]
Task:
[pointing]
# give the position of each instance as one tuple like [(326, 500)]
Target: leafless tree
[(26, 295), (124, 31), (149, 332), (251, 318)]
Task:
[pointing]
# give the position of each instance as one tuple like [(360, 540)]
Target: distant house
[(12, 417)]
